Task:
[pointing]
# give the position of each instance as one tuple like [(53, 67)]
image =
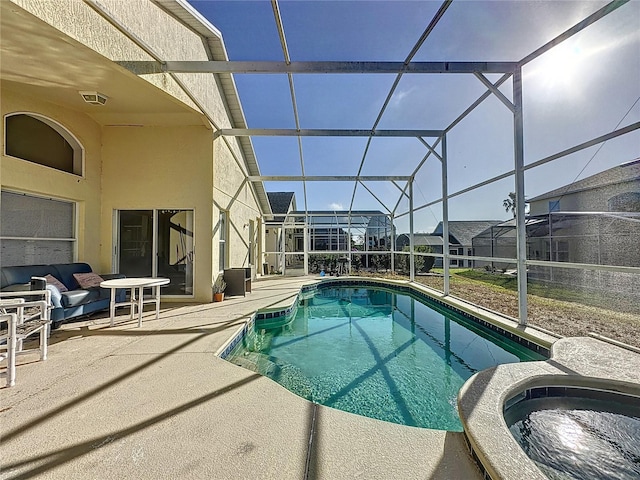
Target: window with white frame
[(222, 235), (40, 140), (36, 230)]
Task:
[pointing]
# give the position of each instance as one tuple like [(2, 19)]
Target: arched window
[(625, 202), (43, 141)]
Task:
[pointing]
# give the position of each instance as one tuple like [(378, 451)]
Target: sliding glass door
[(157, 243)]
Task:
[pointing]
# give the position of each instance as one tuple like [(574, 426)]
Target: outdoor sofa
[(69, 298)]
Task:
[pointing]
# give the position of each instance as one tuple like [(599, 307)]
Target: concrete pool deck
[(155, 402)]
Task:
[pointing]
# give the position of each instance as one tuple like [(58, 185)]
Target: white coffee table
[(136, 300)]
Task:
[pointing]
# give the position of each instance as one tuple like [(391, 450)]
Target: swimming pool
[(379, 353)]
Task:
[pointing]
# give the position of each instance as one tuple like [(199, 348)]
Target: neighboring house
[(326, 231), (500, 241), (120, 170), (614, 190), (595, 220), (461, 233), (422, 240)]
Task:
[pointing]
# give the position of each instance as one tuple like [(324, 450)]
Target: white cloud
[(336, 206), (400, 95)]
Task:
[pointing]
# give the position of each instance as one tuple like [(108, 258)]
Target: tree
[(420, 263), (510, 203)]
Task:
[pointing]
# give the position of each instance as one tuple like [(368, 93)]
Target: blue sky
[(584, 88)]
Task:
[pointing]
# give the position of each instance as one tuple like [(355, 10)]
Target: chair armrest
[(19, 305), (26, 294)]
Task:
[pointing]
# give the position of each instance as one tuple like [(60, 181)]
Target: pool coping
[(582, 362), (575, 361), (114, 397)]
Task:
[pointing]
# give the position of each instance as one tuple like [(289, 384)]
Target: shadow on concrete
[(65, 455), (563, 368), (312, 468), (454, 458), (106, 331), (7, 436), (455, 454)]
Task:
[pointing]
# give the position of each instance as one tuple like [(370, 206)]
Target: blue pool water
[(377, 353)]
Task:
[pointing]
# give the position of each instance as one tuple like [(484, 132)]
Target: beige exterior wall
[(155, 166), (160, 168), (82, 23), (593, 200), (28, 177), (231, 194)]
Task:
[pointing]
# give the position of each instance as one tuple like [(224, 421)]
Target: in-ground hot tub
[(577, 432), (598, 378)]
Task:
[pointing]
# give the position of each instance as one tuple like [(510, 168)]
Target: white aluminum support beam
[(402, 190), (303, 132), (403, 194), (578, 27), (328, 178), (521, 232), (349, 241), (145, 67), (393, 245), (305, 256), (585, 266), (412, 271), (285, 51), (480, 99), (432, 24), (485, 259), (485, 81), (375, 196), (431, 150), (425, 158), (331, 213), (587, 144), (445, 217)]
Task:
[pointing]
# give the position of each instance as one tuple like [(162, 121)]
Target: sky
[(587, 86)]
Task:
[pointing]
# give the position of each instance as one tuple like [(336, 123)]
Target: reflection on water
[(579, 438), (378, 354)]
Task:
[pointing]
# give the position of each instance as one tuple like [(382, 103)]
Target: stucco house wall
[(141, 158), (27, 177), (160, 167)]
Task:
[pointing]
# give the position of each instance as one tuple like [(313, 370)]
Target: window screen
[(36, 230)]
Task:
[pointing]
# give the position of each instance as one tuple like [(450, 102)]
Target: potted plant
[(218, 288)]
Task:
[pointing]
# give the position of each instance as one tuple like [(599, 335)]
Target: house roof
[(626, 172), (463, 231), (216, 50), (420, 239), (508, 227), (280, 201)]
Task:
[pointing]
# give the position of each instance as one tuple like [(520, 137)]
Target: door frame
[(115, 254)]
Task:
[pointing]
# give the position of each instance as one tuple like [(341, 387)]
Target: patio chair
[(23, 319), (8, 346)]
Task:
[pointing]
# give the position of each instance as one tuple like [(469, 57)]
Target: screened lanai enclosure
[(521, 114), (330, 242)]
